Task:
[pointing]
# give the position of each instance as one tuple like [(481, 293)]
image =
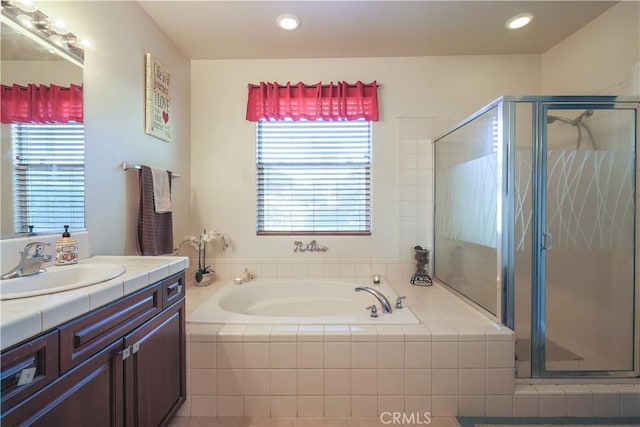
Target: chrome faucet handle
[(30, 261), (374, 310), (399, 302), (39, 247)]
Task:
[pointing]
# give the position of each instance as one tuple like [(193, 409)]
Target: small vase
[(205, 279)]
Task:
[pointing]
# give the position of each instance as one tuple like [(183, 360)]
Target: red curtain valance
[(339, 101), (41, 104)]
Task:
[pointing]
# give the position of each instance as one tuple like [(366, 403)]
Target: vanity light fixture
[(42, 29), (288, 21), (25, 5), (519, 21)]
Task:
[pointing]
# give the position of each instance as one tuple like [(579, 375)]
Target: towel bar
[(126, 166)]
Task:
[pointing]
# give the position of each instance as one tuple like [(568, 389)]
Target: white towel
[(161, 190)]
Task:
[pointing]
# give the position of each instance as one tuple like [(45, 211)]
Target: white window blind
[(48, 176), (314, 177)]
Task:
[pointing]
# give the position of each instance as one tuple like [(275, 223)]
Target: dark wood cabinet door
[(89, 395), (155, 383)]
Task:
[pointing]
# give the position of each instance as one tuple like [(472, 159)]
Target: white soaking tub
[(299, 301)]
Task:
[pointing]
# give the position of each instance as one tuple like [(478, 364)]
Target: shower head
[(585, 113), (553, 119), (575, 122), (578, 123)]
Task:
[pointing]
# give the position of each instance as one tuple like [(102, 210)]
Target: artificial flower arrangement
[(200, 244)]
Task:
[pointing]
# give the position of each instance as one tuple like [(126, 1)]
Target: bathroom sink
[(59, 279)]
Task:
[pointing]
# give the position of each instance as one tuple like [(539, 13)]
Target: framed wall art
[(157, 118)]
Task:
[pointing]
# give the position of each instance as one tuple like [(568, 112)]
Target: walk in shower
[(536, 222)]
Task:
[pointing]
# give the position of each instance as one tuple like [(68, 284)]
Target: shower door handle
[(547, 241)]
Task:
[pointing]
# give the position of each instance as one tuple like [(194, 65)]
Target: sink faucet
[(384, 302), (31, 260)]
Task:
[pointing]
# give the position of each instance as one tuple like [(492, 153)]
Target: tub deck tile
[(390, 332), (337, 333), (202, 332), (416, 333), (281, 333), (310, 332), (231, 333), (364, 333), (257, 333)]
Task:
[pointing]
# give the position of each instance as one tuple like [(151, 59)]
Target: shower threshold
[(554, 352)]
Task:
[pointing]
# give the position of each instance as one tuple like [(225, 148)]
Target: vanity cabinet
[(120, 365)]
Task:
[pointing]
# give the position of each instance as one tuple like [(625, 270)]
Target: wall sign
[(157, 118), (312, 246)]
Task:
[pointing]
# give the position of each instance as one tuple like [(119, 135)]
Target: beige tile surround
[(456, 362), (459, 358)]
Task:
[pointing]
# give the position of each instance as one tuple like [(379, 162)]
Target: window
[(313, 177), (48, 177)]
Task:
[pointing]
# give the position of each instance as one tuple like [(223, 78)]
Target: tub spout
[(384, 302)]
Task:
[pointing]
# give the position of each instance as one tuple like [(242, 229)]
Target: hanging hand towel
[(155, 230), (161, 190)]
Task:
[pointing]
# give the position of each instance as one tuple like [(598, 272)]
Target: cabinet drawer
[(83, 337), (173, 289), (34, 362)]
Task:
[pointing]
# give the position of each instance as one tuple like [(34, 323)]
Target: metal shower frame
[(505, 218)]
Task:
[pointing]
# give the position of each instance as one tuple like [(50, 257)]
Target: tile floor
[(556, 425), (301, 422), (339, 422)]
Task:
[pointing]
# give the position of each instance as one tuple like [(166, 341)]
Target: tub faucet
[(31, 260), (384, 302)]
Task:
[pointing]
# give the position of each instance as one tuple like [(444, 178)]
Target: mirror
[(29, 57)]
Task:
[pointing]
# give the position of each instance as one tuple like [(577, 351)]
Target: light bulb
[(58, 26), (25, 5), (25, 20), (288, 21), (519, 21)]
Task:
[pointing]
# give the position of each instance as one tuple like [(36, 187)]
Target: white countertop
[(26, 317)]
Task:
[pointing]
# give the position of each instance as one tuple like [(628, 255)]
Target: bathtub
[(298, 301)]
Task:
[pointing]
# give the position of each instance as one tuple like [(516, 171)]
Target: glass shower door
[(587, 240)]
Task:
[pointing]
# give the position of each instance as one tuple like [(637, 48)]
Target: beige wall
[(121, 33), (598, 58), (213, 145), (442, 89)]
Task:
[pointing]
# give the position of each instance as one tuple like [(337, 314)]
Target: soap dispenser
[(66, 249)]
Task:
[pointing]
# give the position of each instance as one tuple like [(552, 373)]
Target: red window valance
[(339, 101), (41, 104)]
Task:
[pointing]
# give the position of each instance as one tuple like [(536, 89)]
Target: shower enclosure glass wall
[(536, 222)]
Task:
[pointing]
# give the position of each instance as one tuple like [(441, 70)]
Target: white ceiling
[(331, 29)]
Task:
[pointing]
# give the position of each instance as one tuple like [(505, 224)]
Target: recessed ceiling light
[(519, 21), (288, 21)]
